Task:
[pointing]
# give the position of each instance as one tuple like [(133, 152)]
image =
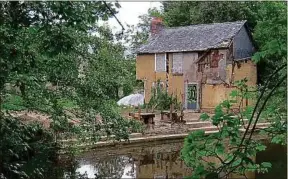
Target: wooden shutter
[(177, 63), (160, 62)]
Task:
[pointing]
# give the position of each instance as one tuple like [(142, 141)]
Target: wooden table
[(147, 118)]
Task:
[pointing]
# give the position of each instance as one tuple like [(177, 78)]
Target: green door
[(192, 96)]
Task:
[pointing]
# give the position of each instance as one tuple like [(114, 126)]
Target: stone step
[(198, 124), (259, 125), (215, 129), (132, 135), (208, 128)]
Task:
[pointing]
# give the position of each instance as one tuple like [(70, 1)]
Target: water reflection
[(154, 161), (150, 160), (111, 167)]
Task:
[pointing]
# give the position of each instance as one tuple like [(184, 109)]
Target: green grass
[(13, 102), (16, 103), (67, 103)]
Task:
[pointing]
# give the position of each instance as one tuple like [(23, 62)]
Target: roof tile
[(192, 38)]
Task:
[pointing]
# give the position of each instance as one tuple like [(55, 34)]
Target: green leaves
[(204, 116), (260, 168), (279, 139), (117, 5), (234, 93), (219, 148), (162, 100), (266, 165), (226, 145), (19, 142), (226, 104), (260, 147), (45, 67)]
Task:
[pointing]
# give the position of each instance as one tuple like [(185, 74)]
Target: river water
[(149, 160)]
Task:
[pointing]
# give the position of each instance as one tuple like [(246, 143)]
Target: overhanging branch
[(114, 16)]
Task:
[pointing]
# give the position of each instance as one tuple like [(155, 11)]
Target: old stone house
[(199, 63)]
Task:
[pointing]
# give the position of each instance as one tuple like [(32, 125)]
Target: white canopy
[(132, 100)]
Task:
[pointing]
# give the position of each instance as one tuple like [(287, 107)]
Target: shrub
[(162, 100)]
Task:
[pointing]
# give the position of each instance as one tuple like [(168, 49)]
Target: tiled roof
[(192, 38)]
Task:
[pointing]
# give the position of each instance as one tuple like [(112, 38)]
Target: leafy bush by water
[(25, 150)]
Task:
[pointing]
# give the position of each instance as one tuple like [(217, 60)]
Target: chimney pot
[(156, 25)]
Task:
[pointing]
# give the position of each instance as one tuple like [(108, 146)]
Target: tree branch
[(114, 16), (264, 104), (254, 111)]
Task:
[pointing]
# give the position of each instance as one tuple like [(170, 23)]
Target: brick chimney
[(156, 25)]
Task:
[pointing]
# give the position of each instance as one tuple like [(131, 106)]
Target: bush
[(13, 102), (25, 149), (162, 100)]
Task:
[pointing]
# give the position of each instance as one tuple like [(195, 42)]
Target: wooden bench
[(167, 113), (173, 115)]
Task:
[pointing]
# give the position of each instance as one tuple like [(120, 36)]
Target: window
[(177, 63), (215, 59), (160, 62)]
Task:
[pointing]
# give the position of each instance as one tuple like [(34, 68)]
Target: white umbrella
[(132, 100)]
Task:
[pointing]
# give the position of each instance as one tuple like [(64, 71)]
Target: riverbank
[(136, 139), (163, 130)]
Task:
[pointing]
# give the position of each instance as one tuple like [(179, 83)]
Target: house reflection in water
[(154, 161), (158, 166), (161, 166), (161, 161)]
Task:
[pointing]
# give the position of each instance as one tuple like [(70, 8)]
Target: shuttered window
[(177, 63), (160, 62)]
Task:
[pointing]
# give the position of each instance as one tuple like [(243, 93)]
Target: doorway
[(192, 96)]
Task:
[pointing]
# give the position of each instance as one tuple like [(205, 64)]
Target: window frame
[(155, 61)]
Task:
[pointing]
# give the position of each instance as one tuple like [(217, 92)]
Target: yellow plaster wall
[(160, 76), (147, 90), (145, 66), (176, 83), (247, 69), (148, 82), (176, 86), (212, 95), (145, 71)]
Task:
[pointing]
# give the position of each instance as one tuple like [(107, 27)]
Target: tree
[(139, 34), (43, 47), (230, 151), (270, 34), (187, 13)]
